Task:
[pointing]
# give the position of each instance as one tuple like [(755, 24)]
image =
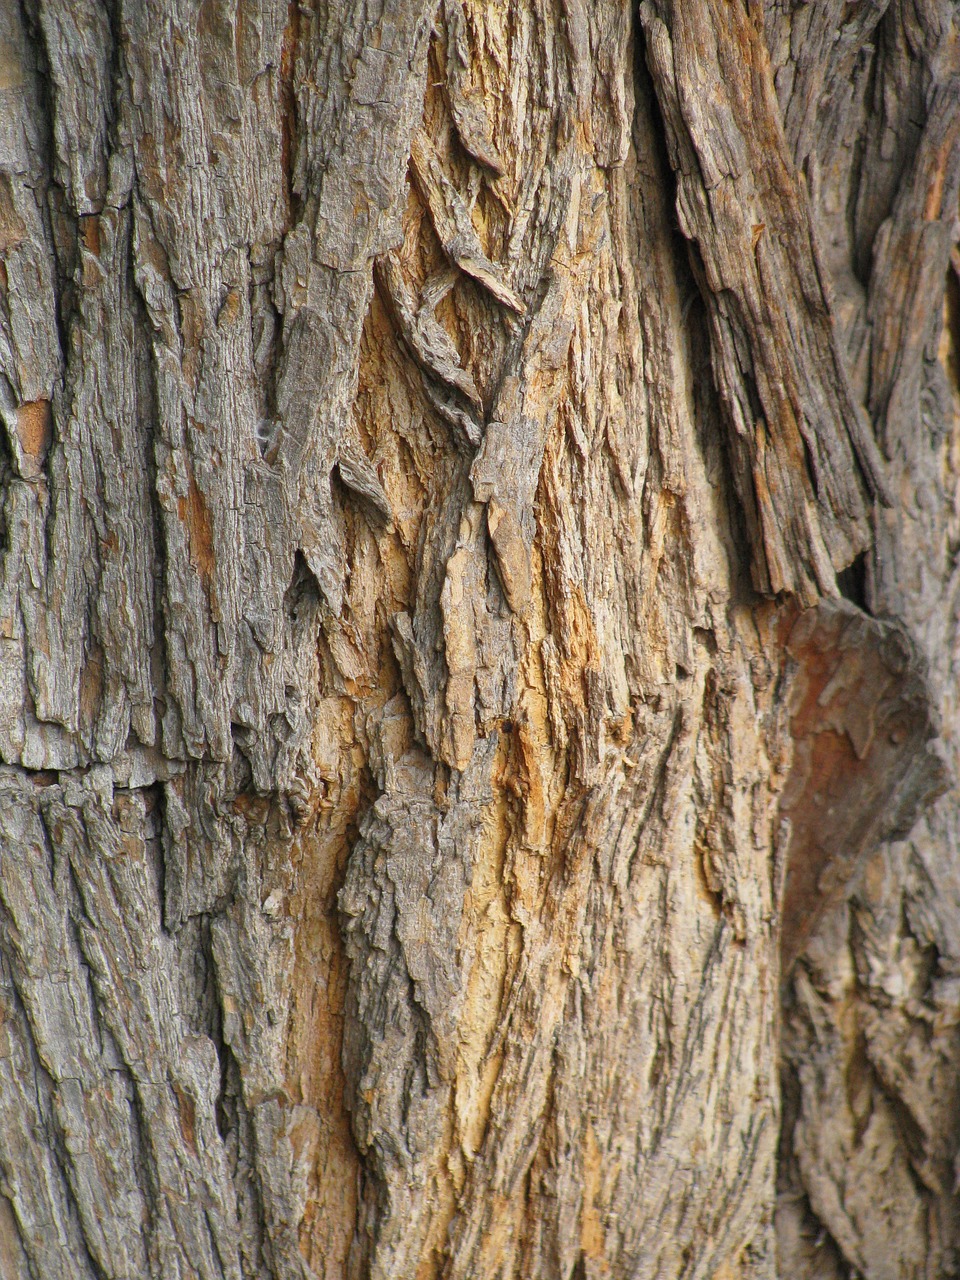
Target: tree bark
[(479, 611)]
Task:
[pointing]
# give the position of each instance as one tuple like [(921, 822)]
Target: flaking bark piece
[(466, 105), (451, 221), (358, 474), (449, 387)]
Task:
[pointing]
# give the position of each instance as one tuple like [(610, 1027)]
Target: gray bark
[(479, 514)]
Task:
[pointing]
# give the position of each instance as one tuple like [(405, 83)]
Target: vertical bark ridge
[(870, 1053), (534, 745)]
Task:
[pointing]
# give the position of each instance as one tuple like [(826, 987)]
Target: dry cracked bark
[(478, 605)]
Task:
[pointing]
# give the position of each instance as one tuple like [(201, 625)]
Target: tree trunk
[(479, 615)]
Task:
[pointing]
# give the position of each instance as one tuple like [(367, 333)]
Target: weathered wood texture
[(437, 440)]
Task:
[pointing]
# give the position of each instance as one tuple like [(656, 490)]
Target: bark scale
[(477, 623)]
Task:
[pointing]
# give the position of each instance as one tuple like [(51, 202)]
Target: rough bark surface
[(478, 624)]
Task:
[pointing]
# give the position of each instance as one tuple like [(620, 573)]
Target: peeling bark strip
[(408, 813), (805, 463)]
